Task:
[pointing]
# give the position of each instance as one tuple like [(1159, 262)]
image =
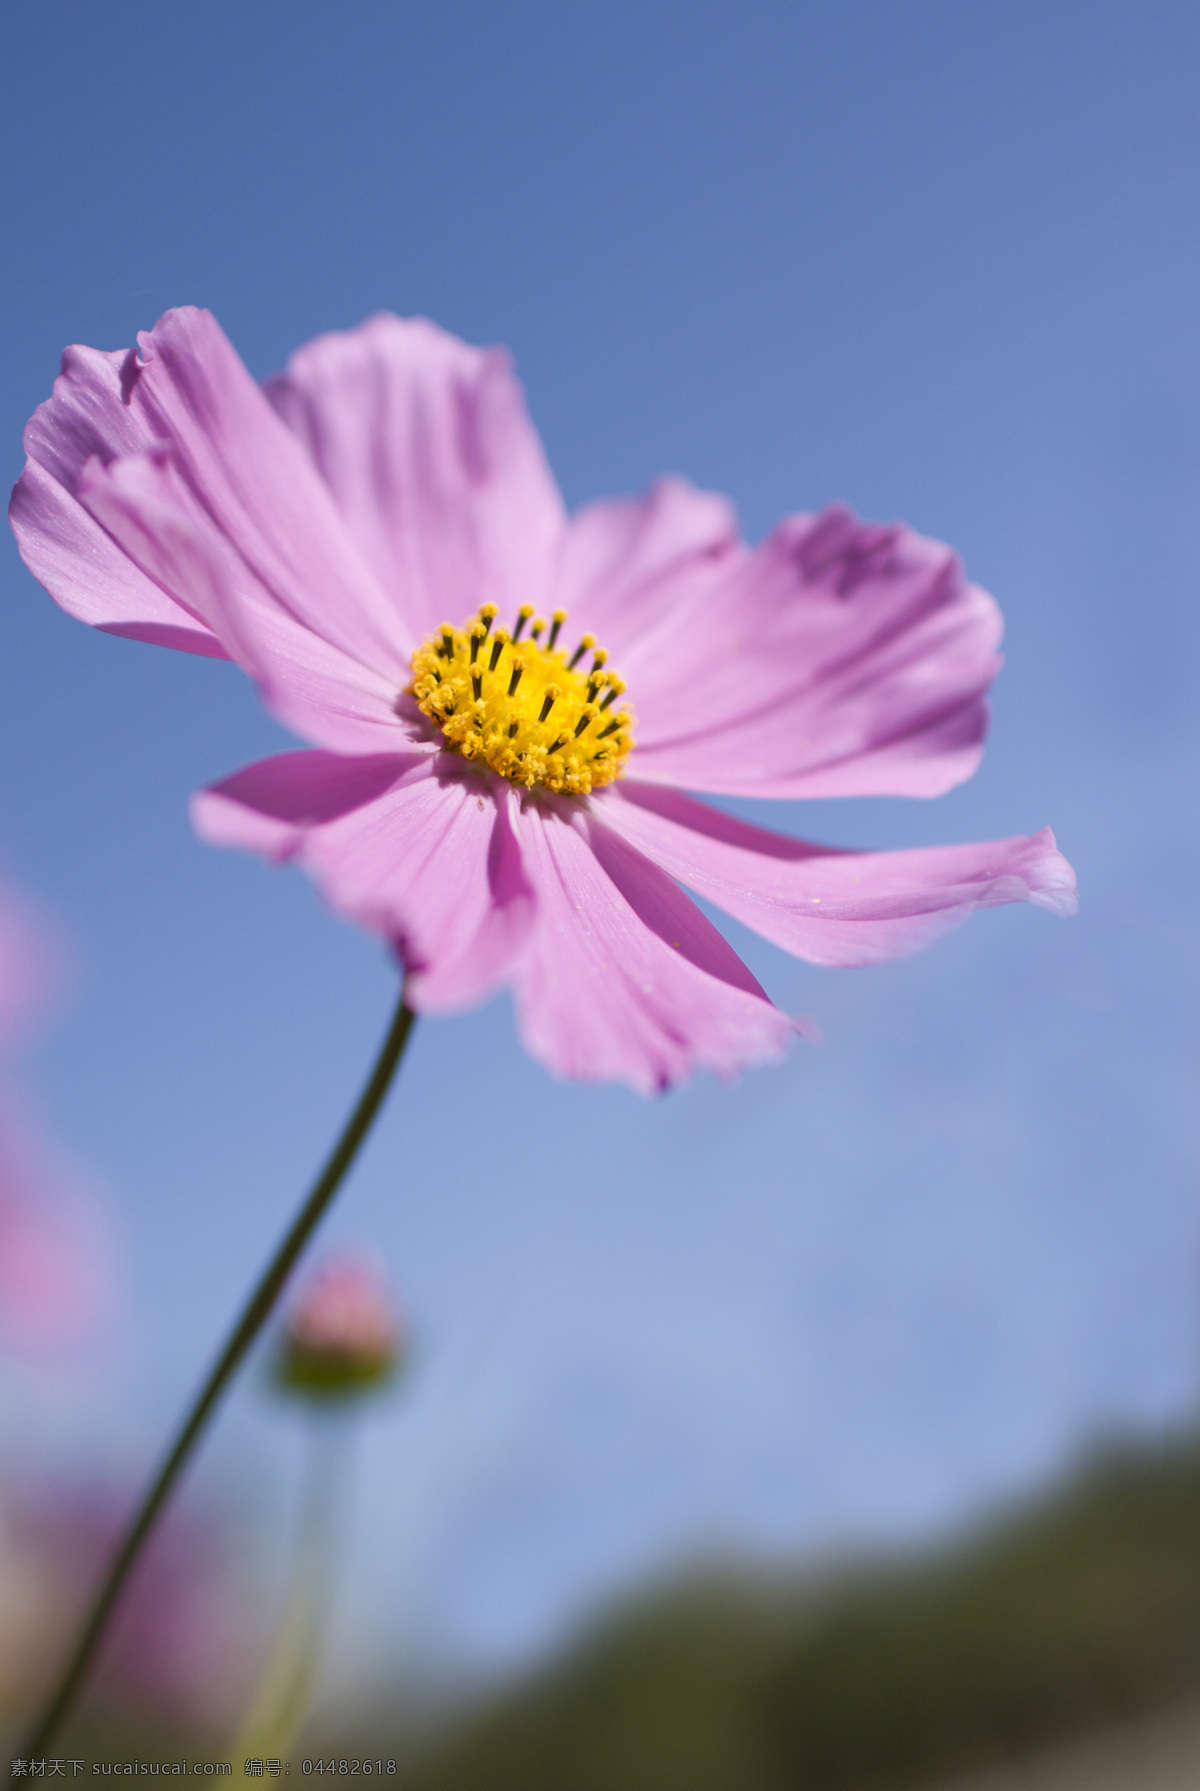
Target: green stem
[(281, 1699), (255, 1315)]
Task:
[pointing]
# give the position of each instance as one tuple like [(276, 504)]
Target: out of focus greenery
[(1080, 1611)]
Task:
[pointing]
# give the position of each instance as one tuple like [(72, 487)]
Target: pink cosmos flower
[(506, 703)]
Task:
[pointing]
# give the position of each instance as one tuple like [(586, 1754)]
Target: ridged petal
[(149, 510), (88, 418), (410, 846), (254, 500), (839, 658), (630, 564), (831, 907), (623, 978), (426, 446)]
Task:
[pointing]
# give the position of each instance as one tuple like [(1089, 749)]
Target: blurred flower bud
[(343, 1334)]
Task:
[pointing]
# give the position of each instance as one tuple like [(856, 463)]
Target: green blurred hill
[(1078, 1612)]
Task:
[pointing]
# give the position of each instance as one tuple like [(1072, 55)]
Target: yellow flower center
[(523, 707)]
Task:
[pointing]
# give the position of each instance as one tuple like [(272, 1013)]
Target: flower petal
[(261, 491), (147, 509), (628, 563), (432, 460), (623, 978), (838, 659), (831, 907), (255, 499), (86, 572), (409, 845)]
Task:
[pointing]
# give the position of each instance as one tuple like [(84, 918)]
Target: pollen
[(541, 715)]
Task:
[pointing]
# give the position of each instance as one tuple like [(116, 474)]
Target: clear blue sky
[(940, 261)]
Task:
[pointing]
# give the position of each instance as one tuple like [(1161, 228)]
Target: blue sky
[(938, 261)]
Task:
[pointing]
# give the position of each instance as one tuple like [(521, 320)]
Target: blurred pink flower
[(180, 1645), (53, 1270), (343, 1331), (356, 533)]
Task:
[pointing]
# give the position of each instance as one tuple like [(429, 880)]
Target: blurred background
[(940, 261)]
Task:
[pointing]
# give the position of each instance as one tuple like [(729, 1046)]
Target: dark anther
[(523, 615), (612, 696), (576, 656), (561, 741), (497, 649), (547, 705), (585, 721), (512, 728), (554, 628), (515, 679), (610, 729), (477, 684)]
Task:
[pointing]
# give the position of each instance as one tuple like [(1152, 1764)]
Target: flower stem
[(257, 1311), (281, 1699)]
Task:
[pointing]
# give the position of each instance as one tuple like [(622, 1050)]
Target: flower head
[(343, 1334), (375, 537), (523, 708)]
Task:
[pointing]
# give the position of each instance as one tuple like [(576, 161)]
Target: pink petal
[(628, 563), (254, 501), (64, 547), (830, 907), (261, 491), (433, 463), (409, 845), (837, 659), (623, 978), (274, 806), (148, 510)]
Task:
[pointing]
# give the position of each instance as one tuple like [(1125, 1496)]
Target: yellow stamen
[(523, 711)]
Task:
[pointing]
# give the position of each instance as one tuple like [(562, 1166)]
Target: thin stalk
[(257, 1311), (284, 1692)]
